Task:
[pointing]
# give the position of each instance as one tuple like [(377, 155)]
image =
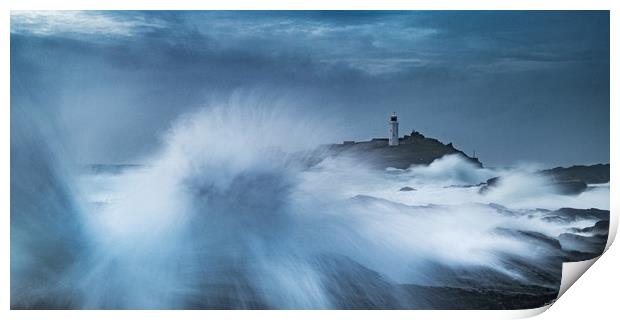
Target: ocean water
[(231, 213)]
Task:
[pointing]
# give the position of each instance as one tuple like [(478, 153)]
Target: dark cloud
[(515, 86)]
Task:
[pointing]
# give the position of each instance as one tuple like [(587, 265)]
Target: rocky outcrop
[(575, 179), (412, 149), (569, 181), (598, 173)]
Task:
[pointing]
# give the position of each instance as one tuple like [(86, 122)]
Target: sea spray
[(234, 211)]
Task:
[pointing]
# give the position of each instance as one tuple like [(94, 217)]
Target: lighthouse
[(393, 126)]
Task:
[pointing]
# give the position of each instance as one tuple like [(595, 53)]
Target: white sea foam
[(230, 206)]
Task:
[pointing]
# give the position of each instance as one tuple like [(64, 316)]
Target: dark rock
[(600, 227), (571, 214), (453, 298), (556, 219), (407, 189), (491, 183), (598, 173), (570, 187), (566, 187), (412, 150), (533, 237), (592, 244)]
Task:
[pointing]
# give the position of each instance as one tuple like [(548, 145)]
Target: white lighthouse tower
[(393, 126)]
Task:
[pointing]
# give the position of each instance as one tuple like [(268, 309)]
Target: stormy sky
[(515, 86)]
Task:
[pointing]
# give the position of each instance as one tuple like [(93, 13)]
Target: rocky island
[(411, 149)]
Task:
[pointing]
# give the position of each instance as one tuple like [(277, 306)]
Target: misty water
[(234, 211)]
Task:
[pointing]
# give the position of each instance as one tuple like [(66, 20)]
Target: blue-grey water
[(229, 213)]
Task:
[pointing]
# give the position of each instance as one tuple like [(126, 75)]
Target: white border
[(601, 289), (311, 5)]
